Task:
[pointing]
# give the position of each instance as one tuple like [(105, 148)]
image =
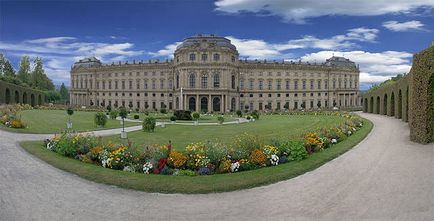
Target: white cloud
[(375, 67), (59, 53), (260, 49), (404, 26), (298, 11), (167, 51)]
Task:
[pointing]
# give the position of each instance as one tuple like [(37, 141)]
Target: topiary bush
[(100, 119), (136, 116), (255, 115), (149, 124), (196, 116), (163, 111), (220, 119), (172, 118), (239, 113)]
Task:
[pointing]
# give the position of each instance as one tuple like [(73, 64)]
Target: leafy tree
[(24, 71), (196, 116), (70, 112), (52, 96), (64, 94)]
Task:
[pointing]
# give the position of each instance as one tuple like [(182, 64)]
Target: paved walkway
[(385, 177)]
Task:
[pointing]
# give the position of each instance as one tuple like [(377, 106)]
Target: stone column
[(197, 103), (209, 103)]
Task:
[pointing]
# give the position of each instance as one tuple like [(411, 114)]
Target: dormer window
[(192, 57), (216, 57), (204, 57)]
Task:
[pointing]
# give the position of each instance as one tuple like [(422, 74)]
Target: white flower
[(349, 132), (361, 124), (104, 163), (334, 141), (129, 169), (235, 166), (51, 145), (147, 167), (354, 129), (274, 160)]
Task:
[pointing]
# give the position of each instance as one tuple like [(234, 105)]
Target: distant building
[(206, 75)]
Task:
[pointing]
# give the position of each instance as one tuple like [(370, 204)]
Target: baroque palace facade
[(206, 75)]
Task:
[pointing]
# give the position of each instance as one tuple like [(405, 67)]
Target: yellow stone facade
[(207, 75)]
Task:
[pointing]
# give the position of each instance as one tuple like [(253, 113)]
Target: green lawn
[(268, 127), (200, 184), (54, 121)]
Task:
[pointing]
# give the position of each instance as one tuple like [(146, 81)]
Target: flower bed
[(247, 152), (9, 116)]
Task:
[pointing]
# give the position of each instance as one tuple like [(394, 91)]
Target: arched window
[(216, 80), (233, 81), (192, 80), (204, 81), (216, 57)]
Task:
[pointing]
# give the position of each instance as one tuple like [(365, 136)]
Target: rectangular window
[(109, 84), (154, 86), (270, 85), (311, 84), (287, 85), (161, 84), (145, 85), (279, 84), (123, 84), (251, 85), (204, 57), (260, 105), (170, 84), (319, 84), (261, 85), (130, 85), (138, 84), (242, 84), (296, 85), (304, 85)]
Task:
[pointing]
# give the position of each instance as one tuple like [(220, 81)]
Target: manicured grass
[(267, 127), (54, 121), (197, 184)]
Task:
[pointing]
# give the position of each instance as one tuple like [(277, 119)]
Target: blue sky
[(381, 36)]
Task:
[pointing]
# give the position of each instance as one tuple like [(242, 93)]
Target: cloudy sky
[(379, 35)]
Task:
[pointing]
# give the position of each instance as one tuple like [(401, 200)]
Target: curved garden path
[(385, 177)]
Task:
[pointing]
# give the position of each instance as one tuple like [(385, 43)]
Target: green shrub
[(220, 119), (163, 111), (187, 173), (109, 108), (216, 152), (255, 115), (296, 150), (66, 148), (113, 114), (244, 144), (136, 116), (239, 113), (70, 111), (172, 118), (149, 124), (182, 115), (100, 119), (195, 115)]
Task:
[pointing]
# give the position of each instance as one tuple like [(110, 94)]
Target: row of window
[(287, 95), (319, 84), (204, 57)]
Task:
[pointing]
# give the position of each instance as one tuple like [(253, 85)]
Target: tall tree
[(64, 94), (24, 71), (38, 78), (2, 64), (8, 70)]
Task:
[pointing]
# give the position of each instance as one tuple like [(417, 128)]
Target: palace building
[(206, 75)]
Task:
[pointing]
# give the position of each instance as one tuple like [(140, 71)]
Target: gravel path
[(385, 177)]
